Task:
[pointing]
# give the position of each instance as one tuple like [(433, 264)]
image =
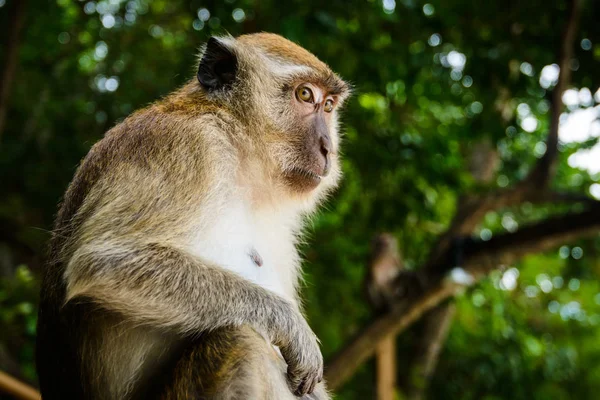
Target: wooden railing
[(16, 388)]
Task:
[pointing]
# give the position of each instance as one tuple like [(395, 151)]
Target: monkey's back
[(57, 357), (61, 329)]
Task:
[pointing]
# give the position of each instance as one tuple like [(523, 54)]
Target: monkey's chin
[(302, 180)]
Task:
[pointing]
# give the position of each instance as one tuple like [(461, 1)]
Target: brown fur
[(131, 305), (223, 362), (280, 47)]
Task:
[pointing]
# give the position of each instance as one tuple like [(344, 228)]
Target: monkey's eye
[(304, 94), (328, 106)]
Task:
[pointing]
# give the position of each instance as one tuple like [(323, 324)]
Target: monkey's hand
[(303, 357)]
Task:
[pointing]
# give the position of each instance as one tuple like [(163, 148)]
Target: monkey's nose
[(325, 145)]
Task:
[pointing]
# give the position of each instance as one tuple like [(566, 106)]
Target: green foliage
[(431, 80), (533, 341), (18, 315)]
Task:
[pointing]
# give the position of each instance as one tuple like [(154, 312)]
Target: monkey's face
[(289, 99), (306, 148)]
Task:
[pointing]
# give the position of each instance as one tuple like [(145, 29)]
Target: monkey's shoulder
[(155, 142), (149, 153)]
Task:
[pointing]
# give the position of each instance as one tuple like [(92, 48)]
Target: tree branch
[(534, 187), (544, 171), (479, 259)]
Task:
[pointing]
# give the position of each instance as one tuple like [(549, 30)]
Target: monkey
[(173, 271), (385, 265)]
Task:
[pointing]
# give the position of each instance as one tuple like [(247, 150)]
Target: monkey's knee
[(235, 364), (265, 372), (222, 365)]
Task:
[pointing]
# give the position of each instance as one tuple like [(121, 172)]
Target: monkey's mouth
[(304, 173), (301, 178)]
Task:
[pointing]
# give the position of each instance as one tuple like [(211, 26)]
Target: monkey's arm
[(162, 286)]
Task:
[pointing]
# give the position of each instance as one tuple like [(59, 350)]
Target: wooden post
[(383, 269), (385, 355)]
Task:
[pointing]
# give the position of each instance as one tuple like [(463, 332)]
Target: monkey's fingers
[(299, 384), (307, 386), (294, 383)]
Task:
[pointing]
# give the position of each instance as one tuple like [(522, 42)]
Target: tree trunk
[(13, 42), (435, 332)]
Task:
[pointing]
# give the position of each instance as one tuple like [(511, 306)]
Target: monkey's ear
[(218, 67)]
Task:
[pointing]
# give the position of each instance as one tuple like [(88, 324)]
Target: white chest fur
[(236, 233)]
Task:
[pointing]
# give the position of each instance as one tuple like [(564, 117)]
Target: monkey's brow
[(331, 83), (334, 85)]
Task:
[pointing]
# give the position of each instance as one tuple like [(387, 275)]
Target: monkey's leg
[(232, 364)]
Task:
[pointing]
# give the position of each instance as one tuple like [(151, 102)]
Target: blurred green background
[(432, 79)]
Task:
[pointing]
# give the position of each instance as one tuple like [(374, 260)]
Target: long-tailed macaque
[(173, 268)]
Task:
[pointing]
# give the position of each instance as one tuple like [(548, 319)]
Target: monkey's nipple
[(256, 258)]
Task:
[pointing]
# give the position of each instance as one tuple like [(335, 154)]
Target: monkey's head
[(289, 101)]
